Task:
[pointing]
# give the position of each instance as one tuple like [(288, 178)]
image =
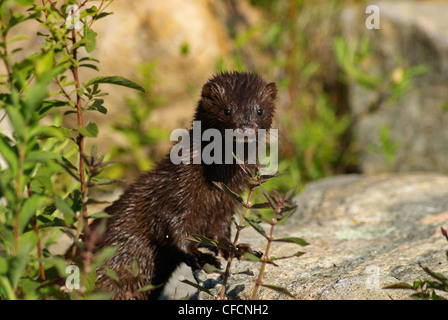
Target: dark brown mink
[(153, 218)]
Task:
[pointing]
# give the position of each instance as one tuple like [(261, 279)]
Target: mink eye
[(260, 112), (227, 112)]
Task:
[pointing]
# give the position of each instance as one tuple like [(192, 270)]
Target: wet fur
[(154, 216)]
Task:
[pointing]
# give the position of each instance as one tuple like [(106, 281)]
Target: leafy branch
[(280, 209), (48, 173)]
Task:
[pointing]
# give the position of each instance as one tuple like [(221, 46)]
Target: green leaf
[(297, 254), (290, 194), (286, 212), (44, 63), (30, 287), (9, 153), (149, 287), (6, 288), (29, 209), (3, 265), (264, 205), (90, 281), (50, 222), (102, 15), (442, 278), (203, 239), (41, 183), (98, 106), (208, 268), (17, 263), (89, 12), (295, 240), (62, 206), (251, 257), (91, 130), (104, 254), (90, 38), (34, 97), (117, 80), (89, 59), (399, 285), (278, 289), (111, 274), (100, 215), (45, 132), (25, 2), (89, 65), (195, 285), (254, 224), (17, 38), (17, 121), (39, 156), (47, 106), (184, 49), (101, 182), (227, 190)]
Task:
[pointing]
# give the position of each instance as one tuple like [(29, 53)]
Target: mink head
[(237, 101)]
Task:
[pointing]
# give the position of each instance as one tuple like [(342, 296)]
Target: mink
[(151, 222)]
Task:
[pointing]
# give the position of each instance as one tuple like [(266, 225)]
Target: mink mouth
[(245, 134)]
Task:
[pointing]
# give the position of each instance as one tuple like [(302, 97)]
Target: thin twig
[(56, 9), (58, 82), (79, 113), (235, 243), (39, 244), (265, 258), (96, 14)]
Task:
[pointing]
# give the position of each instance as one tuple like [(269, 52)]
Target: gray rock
[(365, 233), (415, 32)]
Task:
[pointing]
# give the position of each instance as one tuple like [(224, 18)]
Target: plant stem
[(265, 259), (39, 249), (81, 125), (39, 244), (19, 197), (235, 242)]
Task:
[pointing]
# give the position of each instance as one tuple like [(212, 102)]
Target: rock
[(415, 33), (365, 233)]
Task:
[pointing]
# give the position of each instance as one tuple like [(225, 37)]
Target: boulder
[(415, 33), (365, 232)]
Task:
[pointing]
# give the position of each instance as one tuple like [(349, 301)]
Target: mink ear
[(270, 90), (210, 89), (206, 90)]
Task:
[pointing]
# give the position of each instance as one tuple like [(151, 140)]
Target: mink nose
[(247, 128)]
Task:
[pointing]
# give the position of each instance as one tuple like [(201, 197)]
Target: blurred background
[(352, 98)]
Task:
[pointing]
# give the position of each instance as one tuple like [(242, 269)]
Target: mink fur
[(153, 218)]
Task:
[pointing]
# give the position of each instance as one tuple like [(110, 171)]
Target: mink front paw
[(239, 251), (197, 260)]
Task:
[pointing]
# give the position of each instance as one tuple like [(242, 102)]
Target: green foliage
[(359, 66), (135, 157), (46, 173), (386, 145)]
